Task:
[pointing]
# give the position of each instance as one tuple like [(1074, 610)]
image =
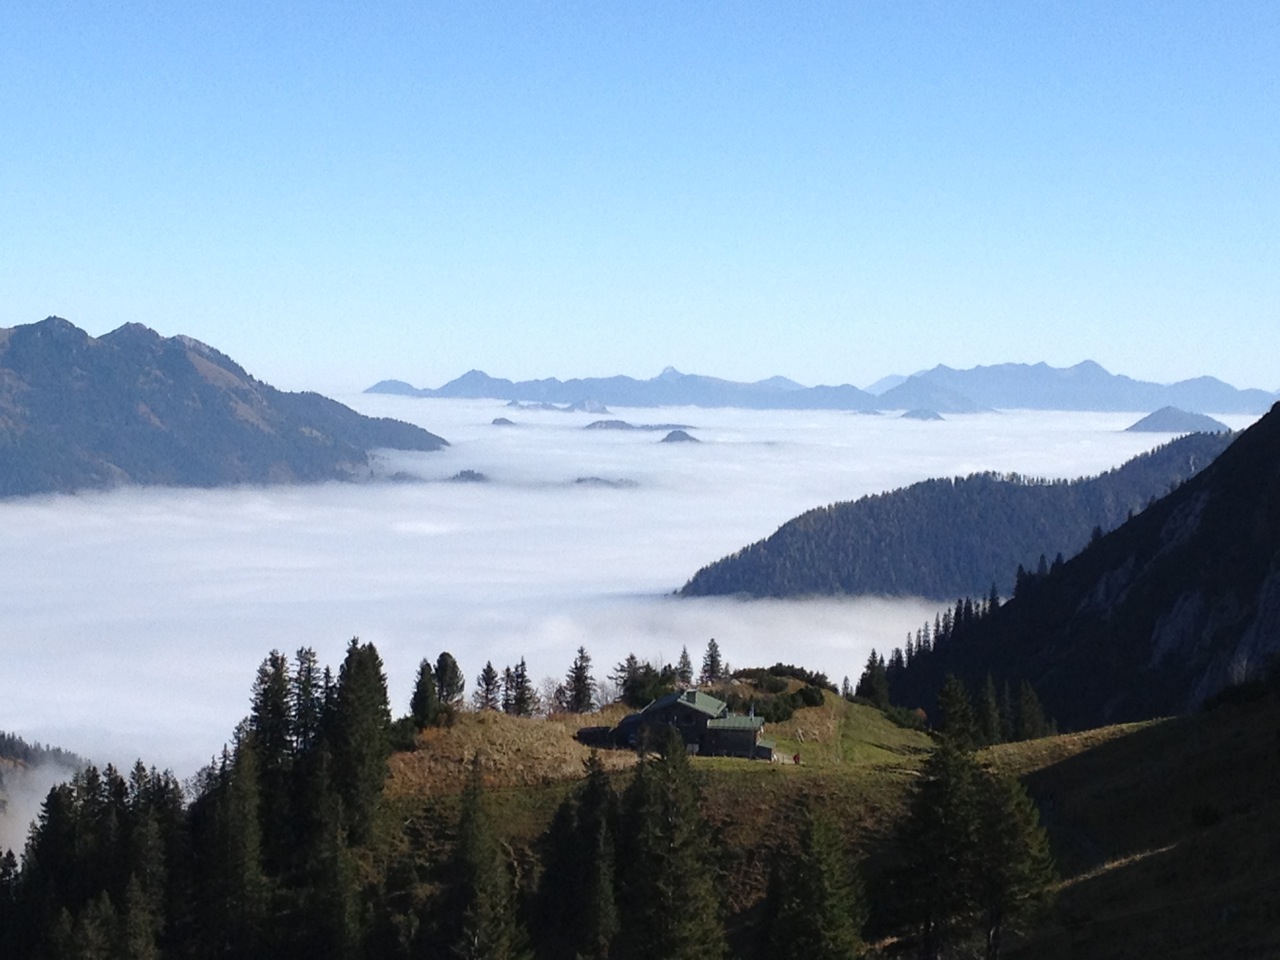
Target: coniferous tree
[(271, 736), (424, 706), (1030, 722), (1015, 871), (579, 686), (670, 906), (308, 700), (989, 726), (625, 676), (873, 685), (488, 692), (1007, 718), (450, 684), (684, 667), (577, 901), (140, 924), (360, 737), (482, 908), (524, 700), (233, 890), (9, 925), (712, 665), (975, 856), (817, 910), (939, 840), (957, 721), (508, 690)]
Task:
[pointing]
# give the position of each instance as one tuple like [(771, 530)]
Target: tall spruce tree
[(524, 701), (577, 903), (975, 857), (1030, 722), (579, 686), (508, 700), (939, 842), (684, 668), (670, 906), (233, 890), (712, 664), (481, 917), (307, 700), (1015, 873), (450, 683), (817, 910), (989, 727), (488, 692), (873, 685), (424, 706), (360, 737), (957, 722), (271, 736)]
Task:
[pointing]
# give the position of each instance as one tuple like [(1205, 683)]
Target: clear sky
[(334, 193)]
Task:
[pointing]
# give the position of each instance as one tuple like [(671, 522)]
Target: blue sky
[(334, 195)]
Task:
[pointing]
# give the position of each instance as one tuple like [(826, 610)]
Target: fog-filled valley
[(135, 618)]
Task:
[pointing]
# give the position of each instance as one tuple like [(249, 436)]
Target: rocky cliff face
[(1175, 605), (134, 407)]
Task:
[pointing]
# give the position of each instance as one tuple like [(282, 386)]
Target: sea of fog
[(134, 620)]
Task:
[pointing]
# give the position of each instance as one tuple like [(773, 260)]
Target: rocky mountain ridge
[(133, 407)]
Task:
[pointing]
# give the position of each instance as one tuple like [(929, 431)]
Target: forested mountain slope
[(1150, 620), (946, 538), (134, 407)]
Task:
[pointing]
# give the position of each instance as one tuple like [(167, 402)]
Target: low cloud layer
[(134, 620)]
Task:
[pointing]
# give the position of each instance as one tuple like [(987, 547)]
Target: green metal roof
[(694, 699), (736, 723)]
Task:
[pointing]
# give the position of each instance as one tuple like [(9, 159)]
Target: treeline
[(916, 677), (949, 537), (13, 747), (285, 846)]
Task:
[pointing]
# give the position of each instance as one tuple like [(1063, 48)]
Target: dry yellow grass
[(514, 751), (1027, 756)]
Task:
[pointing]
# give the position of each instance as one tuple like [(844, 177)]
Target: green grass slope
[(1167, 834)]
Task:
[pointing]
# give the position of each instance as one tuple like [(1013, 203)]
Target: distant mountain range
[(950, 537), (1085, 386), (1178, 603), (671, 388), (80, 412)]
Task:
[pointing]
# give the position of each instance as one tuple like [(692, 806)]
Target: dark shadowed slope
[(134, 407), (947, 538), (1176, 604)]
